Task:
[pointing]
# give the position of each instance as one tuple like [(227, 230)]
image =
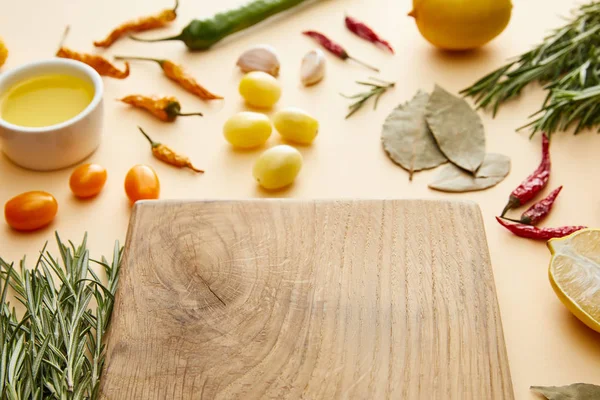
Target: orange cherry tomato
[(141, 183), (30, 210), (87, 180)]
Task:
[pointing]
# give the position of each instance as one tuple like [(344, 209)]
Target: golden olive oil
[(46, 100)]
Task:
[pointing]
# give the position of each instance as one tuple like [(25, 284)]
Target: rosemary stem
[(376, 90)]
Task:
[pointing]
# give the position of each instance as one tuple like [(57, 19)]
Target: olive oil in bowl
[(45, 100), (51, 113)]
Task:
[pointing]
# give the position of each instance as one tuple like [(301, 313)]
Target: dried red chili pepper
[(533, 232), (363, 31), (140, 25), (534, 182), (539, 210), (99, 63), (335, 48)]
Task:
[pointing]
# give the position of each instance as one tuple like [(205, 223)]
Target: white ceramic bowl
[(56, 146)]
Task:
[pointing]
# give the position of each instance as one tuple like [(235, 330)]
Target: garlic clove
[(312, 69), (259, 58)]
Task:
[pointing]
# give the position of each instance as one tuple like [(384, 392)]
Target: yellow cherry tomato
[(296, 125), (3, 52), (30, 210), (277, 167), (141, 183), (87, 180), (260, 89), (247, 129)]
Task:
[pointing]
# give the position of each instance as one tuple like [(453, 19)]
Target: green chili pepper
[(202, 34)]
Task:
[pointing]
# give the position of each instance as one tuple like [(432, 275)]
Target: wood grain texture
[(276, 299)]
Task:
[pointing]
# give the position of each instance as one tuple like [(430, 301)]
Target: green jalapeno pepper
[(202, 34)]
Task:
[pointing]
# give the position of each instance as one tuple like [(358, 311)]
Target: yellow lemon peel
[(461, 24), (575, 274)]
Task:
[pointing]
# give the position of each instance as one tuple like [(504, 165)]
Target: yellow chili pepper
[(140, 25), (177, 74), (166, 155), (164, 108), (99, 63)]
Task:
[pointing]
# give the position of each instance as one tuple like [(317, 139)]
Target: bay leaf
[(457, 129), (406, 137), (493, 170), (576, 391)]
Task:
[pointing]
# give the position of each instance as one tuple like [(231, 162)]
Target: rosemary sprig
[(55, 348), (567, 63), (377, 88)]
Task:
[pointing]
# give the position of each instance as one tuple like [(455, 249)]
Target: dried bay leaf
[(406, 138), (493, 170), (457, 129), (576, 391)]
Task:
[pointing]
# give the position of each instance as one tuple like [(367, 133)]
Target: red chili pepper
[(363, 31), (534, 182), (533, 232), (335, 48), (539, 210)]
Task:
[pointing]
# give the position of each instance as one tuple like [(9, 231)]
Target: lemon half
[(575, 274)]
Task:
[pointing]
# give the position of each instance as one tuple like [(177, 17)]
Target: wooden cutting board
[(277, 299)]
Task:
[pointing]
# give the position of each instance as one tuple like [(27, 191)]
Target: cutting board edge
[(147, 204), (143, 206)]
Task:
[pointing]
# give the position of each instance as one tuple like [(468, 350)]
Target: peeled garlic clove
[(312, 69), (260, 58)]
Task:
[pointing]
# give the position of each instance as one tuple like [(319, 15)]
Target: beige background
[(546, 345)]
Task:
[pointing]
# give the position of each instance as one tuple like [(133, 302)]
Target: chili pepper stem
[(64, 37), (516, 221), (157, 60), (512, 203), (176, 6), (189, 114), (137, 39), (364, 64), (152, 142)]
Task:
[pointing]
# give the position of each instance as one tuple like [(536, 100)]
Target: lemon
[(575, 274), (461, 24), (3, 52)]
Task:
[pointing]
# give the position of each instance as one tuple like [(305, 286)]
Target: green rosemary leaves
[(54, 348), (377, 88), (567, 64)]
